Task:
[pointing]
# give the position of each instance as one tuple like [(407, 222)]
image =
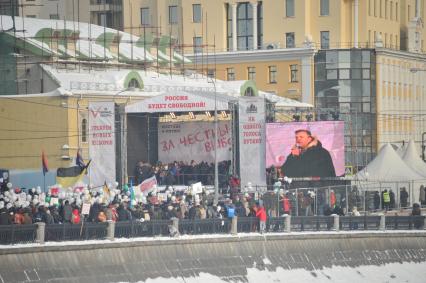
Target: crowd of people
[(22, 206), (183, 173)]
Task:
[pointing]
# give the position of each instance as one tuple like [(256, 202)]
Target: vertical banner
[(252, 140), (101, 143)]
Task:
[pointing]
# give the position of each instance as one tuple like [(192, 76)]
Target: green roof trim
[(249, 84), (26, 45), (44, 35), (133, 75), (105, 39), (147, 41)]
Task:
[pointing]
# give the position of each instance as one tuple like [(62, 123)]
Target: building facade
[(232, 25)]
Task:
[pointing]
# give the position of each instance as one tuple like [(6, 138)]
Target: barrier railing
[(75, 232), (39, 232), (17, 234), (204, 226)]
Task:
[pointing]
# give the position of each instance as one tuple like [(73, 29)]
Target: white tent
[(413, 160), (389, 171), (388, 167), (401, 150)]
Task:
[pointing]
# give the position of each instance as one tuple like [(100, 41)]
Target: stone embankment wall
[(227, 257)]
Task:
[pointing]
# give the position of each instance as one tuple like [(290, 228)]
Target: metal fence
[(17, 234), (75, 232), (204, 226), (132, 229), (21, 234)]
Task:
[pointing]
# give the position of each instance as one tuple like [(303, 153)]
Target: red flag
[(44, 163)]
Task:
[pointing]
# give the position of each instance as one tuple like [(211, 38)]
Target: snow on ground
[(389, 273)]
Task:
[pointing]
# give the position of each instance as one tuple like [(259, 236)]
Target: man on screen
[(308, 158)]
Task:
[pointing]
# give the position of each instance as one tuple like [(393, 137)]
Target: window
[(325, 40), (244, 26), (293, 73), (229, 27), (230, 74), (251, 73), (54, 16), (369, 7), (386, 9), (289, 40), (173, 15), (30, 16), (259, 24), (211, 73), (396, 12), (272, 74), (249, 92), (391, 11), (196, 13), (417, 12), (133, 83), (145, 18), (375, 8), (324, 7), (84, 130), (289, 8), (408, 13), (381, 8), (197, 41)]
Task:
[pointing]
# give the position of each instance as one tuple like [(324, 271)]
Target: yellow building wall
[(33, 125), (282, 85), (307, 21)]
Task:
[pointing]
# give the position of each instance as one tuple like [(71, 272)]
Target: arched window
[(84, 130), (249, 92), (134, 83)]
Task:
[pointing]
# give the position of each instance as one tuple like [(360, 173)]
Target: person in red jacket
[(261, 214), (286, 204), (75, 217)]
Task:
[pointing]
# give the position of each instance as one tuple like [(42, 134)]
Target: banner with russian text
[(101, 143), (252, 140), (193, 141)]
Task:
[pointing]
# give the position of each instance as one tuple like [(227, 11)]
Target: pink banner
[(280, 138)]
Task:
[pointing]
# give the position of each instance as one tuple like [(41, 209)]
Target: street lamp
[(216, 173)]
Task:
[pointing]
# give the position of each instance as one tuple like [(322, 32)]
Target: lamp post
[(216, 173)]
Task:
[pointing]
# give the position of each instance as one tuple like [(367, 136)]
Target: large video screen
[(306, 149)]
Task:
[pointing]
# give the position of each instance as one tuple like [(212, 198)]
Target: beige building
[(272, 24), (401, 100)]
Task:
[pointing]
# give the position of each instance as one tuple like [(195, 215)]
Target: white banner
[(101, 143), (252, 140), (180, 102), (193, 141)]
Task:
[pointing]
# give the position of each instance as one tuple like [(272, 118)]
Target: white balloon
[(9, 185)]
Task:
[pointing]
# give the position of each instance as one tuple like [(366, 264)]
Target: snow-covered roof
[(92, 42), (113, 81)]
